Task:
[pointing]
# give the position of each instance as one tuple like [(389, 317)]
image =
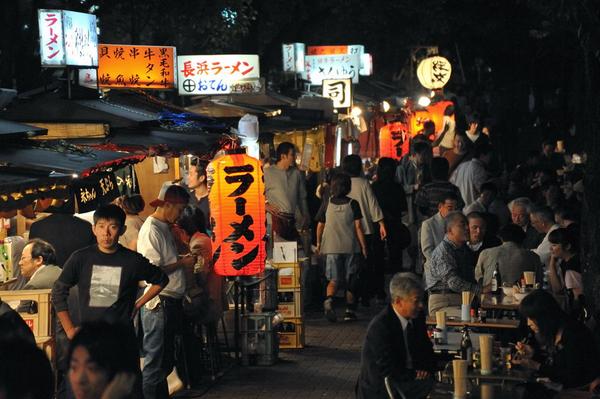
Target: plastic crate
[(290, 309), (40, 322), (290, 275), (291, 339)]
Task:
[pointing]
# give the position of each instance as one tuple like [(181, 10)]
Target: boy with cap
[(162, 317)]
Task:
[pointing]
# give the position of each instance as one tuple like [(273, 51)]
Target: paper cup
[(459, 369), (440, 319), (486, 343), (529, 278), (487, 391), (465, 312)]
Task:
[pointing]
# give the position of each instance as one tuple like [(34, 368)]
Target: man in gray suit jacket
[(433, 229), (37, 266)]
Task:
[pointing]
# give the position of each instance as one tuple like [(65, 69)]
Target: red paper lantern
[(393, 140), (237, 209)]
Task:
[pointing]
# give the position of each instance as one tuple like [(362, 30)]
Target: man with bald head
[(449, 273)]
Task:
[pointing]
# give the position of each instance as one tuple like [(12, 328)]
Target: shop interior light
[(356, 112), (385, 106), (424, 101)]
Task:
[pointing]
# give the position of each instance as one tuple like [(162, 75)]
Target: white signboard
[(88, 77), (339, 90), (218, 74), (366, 64), (331, 66), (52, 43), (67, 38), (293, 57)]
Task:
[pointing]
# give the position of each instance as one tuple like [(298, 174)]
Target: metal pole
[(236, 318), (68, 83)]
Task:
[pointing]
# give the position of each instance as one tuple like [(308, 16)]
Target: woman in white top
[(445, 138), (132, 205)]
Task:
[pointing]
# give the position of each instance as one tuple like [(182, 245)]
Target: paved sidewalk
[(327, 368)]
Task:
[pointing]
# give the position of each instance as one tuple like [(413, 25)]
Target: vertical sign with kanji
[(237, 209), (339, 90), (67, 38), (142, 67), (293, 57), (52, 44)]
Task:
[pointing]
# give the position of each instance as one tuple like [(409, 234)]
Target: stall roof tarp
[(61, 160), (10, 129), (55, 108), (20, 187), (146, 141), (131, 113)]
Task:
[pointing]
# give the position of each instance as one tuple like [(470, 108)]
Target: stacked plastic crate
[(291, 332)]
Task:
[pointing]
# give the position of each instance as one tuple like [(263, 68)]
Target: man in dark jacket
[(397, 348)]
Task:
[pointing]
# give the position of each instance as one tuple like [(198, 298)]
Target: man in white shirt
[(469, 176), (162, 317), (542, 219), (285, 191)]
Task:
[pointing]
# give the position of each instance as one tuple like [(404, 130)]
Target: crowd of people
[(444, 213)]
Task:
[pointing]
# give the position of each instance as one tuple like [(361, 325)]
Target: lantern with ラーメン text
[(237, 210), (393, 140)]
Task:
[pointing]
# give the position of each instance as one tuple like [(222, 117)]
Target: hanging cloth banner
[(93, 191)]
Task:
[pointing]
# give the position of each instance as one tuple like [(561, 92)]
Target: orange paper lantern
[(393, 140), (237, 209)]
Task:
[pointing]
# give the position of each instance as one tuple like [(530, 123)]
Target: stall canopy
[(64, 158), (20, 187), (10, 130)]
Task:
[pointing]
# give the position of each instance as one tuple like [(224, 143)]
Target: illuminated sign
[(67, 38), (218, 74), (293, 57), (339, 90), (142, 67), (331, 66)]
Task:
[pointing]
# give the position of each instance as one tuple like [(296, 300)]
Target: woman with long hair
[(570, 355)]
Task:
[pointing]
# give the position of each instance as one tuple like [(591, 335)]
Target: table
[(453, 344), (446, 391), (499, 302), (515, 375), (489, 323)]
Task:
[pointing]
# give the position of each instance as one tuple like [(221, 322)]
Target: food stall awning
[(63, 158), (9, 130), (19, 187)]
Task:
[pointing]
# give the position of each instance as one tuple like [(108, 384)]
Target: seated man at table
[(37, 265), (512, 259), (448, 274), (397, 347)]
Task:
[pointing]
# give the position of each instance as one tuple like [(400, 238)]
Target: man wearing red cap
[(161, 318)]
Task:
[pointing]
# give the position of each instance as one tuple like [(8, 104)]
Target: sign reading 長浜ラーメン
[(67, 38), (218, 74), (331, 66), (142, 67)]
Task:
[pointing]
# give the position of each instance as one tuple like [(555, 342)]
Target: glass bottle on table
[(496, 281), (466, 347)]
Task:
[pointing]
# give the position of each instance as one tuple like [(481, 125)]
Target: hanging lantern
[(434, 72), (237, 210), (393, 140)]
